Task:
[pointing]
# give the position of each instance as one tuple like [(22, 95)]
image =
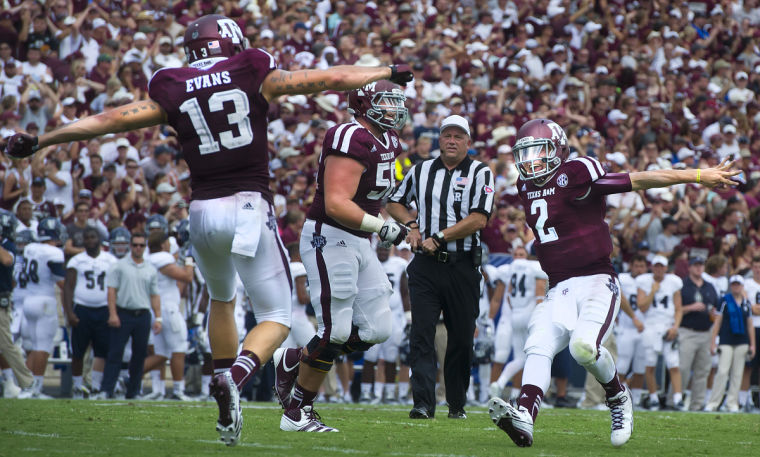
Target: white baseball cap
[(456, 121), (660, 260), (736, 278), (122, 143)]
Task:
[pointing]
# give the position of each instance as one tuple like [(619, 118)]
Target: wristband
[(189, 262), (371, 223), (413, 221), (159, 319), (699, 173)]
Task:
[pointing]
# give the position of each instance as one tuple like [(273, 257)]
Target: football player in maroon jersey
[(565, 206), (349, 288), (218, 106)]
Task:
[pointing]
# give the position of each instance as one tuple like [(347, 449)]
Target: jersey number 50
[(216, 103)]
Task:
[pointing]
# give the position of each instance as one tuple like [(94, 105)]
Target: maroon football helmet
[(213, 36), (381, 103), (540, 149)]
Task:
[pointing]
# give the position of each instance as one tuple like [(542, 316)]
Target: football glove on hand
[(401, 74), (21, 145), (393, 232)]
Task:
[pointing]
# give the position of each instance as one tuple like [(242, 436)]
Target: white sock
[(8, 373), (390, 390), (677, 398), (403, 389), (537, 371), (179, 387), (97, 379), (155, 380), (205, 381), (708, 393), (379, 389), (37, 385), (636, 396), (471, 390), (743, 396), (654, 397), (366, 389), (77, 380), (162, 387)]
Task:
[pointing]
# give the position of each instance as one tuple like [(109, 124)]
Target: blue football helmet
[(7, 225), (183, 232), (119, 242), (51, 229), (24, 237), (157, 222)]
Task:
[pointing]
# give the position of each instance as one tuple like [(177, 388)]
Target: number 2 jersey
[(92, 272), (220, 116), (377, 155), (566, 215), (662, 311), (43, 266)]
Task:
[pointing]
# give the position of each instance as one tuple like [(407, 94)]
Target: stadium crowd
[(636, 85)]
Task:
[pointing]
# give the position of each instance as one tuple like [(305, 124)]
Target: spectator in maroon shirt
[(292, 224), (297, 43)]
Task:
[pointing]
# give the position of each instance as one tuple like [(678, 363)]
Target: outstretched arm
[(128, 117), (709, 177), (341, 78)]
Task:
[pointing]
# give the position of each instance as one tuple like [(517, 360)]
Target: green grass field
[(146, 429)]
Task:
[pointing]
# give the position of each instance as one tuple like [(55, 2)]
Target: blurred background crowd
[(639, 85)]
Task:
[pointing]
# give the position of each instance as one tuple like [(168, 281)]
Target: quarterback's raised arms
[(708, 177)]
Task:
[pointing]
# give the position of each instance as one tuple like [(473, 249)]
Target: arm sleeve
[(612, 183), (483, 190), (405, 193), (154, 283), (348, 140), (56, 268)]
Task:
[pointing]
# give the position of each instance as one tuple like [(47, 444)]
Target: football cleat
[(10, 389), (654, 405), (179, 396), (284, 376), (303, 420), (227, 397), (79, 393), (516, 422), (621, 411), (420, 412)]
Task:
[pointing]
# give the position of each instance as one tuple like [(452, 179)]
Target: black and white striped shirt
[(445, 197)]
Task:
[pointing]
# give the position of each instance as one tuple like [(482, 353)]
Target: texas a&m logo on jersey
[(318, 241)]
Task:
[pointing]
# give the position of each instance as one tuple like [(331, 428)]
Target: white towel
[(249, 208)]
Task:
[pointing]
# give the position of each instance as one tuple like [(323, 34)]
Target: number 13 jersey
[(92, 272), (566, 215), (220, 117)]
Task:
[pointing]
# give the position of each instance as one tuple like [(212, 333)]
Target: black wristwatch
[(439, 238)]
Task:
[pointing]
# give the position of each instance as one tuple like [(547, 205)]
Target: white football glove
[(393, 232)]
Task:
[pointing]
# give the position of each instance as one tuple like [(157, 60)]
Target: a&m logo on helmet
[(558, 134), (229, 29)]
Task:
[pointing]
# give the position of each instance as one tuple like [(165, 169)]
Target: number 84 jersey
[(377, 155), (662, 311), (566, 215), (92, 275)]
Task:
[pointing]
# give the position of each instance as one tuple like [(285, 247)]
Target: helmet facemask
[(536, 158), (388, 110)]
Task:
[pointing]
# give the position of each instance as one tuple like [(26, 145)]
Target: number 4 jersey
[(377, 155), (92, 273), (221, 119), (566, 215)]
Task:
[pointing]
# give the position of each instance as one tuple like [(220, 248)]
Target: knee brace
[(321, 354), (583, 352), (354, 343)]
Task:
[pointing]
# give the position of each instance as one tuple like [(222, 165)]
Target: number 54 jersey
[(566, 215), (662, 311), (220, 116), (92, 273)]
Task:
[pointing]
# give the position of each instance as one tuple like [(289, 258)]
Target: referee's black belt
[(133, 312), (452, 257)]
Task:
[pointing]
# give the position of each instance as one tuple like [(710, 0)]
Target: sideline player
[(218, 107), (565, 206), (85, 305), (629, 337), (349, 289), (659, 298), (43, 268), (525, 287)]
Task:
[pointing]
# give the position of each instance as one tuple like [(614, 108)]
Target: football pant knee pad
[(583, 352), (356, 346), (321, 354)]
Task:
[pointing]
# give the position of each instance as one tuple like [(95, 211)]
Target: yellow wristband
[(699, 172)]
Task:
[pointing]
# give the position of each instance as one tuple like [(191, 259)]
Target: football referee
[(454, 196)]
